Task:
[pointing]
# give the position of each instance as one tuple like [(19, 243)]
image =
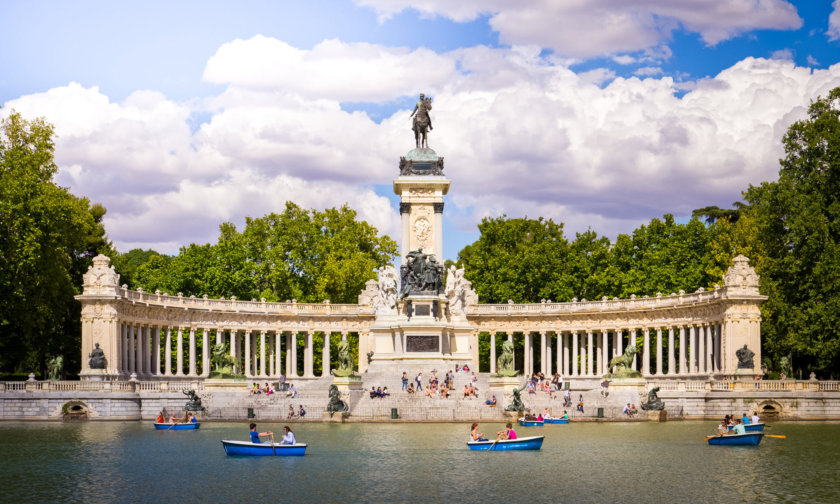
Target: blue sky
[(180, 115)]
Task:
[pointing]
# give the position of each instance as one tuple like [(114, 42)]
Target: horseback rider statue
[(421, 122)]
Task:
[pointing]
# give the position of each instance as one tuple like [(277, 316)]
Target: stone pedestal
[(95, 375), (346, 384), (504, 384), (225, 384)]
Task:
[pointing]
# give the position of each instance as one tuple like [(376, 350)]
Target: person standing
[(419, 381), (404, 381), (255, 436)]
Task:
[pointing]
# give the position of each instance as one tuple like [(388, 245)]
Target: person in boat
[(288, 436), (546, 414), (739, 428), (745, 419), (173, 419), (475, 435), (255, 436), (540, 417), (491, 401), (723, 428), (565, 415), (191, 418), (507, 433), (754, 420), (160, 418), (301, 412)]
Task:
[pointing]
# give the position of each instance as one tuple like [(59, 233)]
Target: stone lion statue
[(336, 405), (345, 361), (654, 403), (622, 364), (504, 364), (223, 362)]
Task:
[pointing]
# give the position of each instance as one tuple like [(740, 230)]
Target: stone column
[(548, 370), (671, 360), (205, 354), (589, 351), (559, 368), (438, 208), (308, 356), (270, 355), (248, 369), (701, 354), (262, 353), (147, 351), (192, 352), (599, 353), (605, 348), (574, 353), (131, 354), (619, 343), (493, 353), (658, 350), (123, 367), (646, 351), (692, 349), (710, 353), (167, 353), (234, 349), (718, 348), (543, 360), (325, 356), (566, 367), (179, 350), (683, 366), (142, 351), (405, 211)]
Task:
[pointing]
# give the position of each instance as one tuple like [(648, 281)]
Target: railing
[(206, 303), (640, 303), (100, 386)]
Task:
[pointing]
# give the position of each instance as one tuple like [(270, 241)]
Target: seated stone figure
[(654, 403)]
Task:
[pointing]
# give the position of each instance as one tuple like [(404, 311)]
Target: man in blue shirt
[(745, 419), (255, 436)]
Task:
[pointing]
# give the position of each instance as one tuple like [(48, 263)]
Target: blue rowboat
[(530, 423), (249, 449), (556, 420), (524, 443), (748, 439), (177, 426)]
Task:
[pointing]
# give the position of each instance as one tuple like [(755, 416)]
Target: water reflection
[(647, 462)]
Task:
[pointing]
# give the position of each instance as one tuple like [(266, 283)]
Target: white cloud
[(624, 59), (648, 71), (833, 31), (520, 134), (596, 27), (782, 54), (597, 76), (812, 61)]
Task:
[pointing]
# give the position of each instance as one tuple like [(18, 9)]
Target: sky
[(601, 114)]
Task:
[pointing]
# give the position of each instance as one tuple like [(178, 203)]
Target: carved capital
[(438, 207), (405, 208)]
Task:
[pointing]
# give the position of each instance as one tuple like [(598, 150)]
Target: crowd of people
[(379, 392), (441, 386), (188, 418)]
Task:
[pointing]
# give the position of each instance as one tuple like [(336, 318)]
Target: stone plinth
[(505, 384), (94, 375), (347, 383), (225, 384)]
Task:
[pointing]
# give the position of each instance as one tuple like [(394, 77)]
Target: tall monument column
[(421, 187)]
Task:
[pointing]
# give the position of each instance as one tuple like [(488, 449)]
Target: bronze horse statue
[(422, 123)]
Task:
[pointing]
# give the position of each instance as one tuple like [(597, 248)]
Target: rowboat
[(524, 443), (530, 423), (556, 420), (247, 448), (759, 427), (177, 426), (748, 439)]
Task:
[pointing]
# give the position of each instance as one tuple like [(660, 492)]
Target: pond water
[(95, 462)]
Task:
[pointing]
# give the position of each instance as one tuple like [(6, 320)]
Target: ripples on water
[(110, 462)]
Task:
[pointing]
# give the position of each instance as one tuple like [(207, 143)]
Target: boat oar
[(494, 443), (776, 436), (173, 425), (273, 448), (708, 438)]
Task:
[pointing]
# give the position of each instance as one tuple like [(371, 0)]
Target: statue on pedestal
[(654, 403), (421, 275), (517, 404), (504, 364), (421, 122), (194, 404), (336, 405), (623, 364), (97, 358), (224, 363), (345, 362), (745, 358), (56, 368)]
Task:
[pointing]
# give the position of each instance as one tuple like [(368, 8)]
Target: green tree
[(128, 263), (797, 234), (47, 240)]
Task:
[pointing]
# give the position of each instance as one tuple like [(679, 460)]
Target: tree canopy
[(47, 240), (307, 255)]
